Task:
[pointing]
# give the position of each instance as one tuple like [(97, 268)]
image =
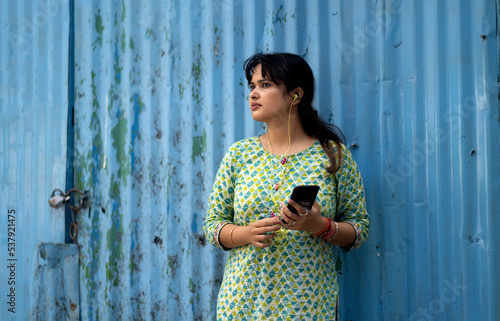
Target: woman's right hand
[(261, 232)]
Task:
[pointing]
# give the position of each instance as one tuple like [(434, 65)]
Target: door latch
[(60, 199)]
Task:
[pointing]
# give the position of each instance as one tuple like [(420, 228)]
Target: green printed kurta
[(295, 277)]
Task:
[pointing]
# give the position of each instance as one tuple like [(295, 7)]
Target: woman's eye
[(265, 85)]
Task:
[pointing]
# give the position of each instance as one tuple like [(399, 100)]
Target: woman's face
[(268, 101)]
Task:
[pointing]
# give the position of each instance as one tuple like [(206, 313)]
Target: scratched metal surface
[(160, 95), (33, 131)]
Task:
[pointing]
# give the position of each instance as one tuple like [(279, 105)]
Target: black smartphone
[(304, 195)]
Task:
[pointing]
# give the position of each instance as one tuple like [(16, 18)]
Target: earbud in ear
[(295, 97)]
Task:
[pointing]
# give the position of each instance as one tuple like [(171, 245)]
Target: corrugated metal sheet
[(160, 95), (145, 149), (424, 93), (413, 85), (33, 131)]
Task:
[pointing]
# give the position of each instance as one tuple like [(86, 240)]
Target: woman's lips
[(255, 106)]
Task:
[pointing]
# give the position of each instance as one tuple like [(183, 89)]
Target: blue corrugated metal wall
[(160, 94), (33, 131), (426, 93)]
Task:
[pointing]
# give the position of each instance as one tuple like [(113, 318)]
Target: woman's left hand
[(312, 222)]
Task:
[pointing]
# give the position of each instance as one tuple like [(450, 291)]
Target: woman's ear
[(298, 93)]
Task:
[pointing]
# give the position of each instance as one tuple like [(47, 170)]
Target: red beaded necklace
[(276, 187)]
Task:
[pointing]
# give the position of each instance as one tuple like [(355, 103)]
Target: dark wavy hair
[(293, 71)]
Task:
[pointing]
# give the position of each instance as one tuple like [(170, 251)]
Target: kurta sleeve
[(351, 203), (221, 201)]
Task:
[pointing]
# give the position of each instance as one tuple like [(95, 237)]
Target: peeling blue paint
[(99, 27), (279, 17), (118, 69), (124, 11), (194, 224), (199, 145), (138, 107), (119, 135), (149, 33)]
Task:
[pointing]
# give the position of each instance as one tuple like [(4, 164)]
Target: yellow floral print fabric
[(295, 277)]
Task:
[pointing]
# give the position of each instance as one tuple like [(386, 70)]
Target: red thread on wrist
[(328, 232), (323, 229)]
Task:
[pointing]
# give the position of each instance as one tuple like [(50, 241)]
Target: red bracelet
[(323, 229), (328, 233)]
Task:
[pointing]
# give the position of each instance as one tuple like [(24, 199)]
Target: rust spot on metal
[(158, 241), (173, 264), (201, 239)]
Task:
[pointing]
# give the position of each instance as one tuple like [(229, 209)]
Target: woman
[(282, 265)]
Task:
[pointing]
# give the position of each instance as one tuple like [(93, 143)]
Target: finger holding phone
[(303, 211), (312, 221)]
